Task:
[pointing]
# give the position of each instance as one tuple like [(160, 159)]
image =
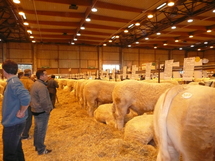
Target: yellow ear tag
[(187, 95)]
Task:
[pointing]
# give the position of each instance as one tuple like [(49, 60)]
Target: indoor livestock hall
[(108, 80)]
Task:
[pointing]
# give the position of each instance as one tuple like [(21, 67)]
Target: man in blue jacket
[(15, 102)]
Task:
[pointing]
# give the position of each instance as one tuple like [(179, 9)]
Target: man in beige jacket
[(27, 82)]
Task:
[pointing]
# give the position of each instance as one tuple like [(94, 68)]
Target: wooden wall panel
[(110, 49), (110, 56), (88, 49), (24, 46), (68, 48), (178, 56), (195, 54), (47, 54), (147, 55), (66, 54), (88, 55), (68, 64), (210, 55), (47, 47)]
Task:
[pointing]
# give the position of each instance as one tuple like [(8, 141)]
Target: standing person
[(52, 84), (41, 107), (15, 103), (27, 82)]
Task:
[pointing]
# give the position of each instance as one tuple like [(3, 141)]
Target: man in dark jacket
[(41, 107), (52, 85), (15, 103)]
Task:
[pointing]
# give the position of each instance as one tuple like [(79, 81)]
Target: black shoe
[(46, 151)]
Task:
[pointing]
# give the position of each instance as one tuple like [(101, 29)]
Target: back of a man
[(52, 84)]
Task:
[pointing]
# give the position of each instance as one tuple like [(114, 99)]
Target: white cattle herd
[(179, 117)]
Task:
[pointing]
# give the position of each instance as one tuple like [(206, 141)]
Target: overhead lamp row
[(87, 19), (25, 22)]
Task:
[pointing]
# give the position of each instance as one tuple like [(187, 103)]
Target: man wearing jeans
[(15, 103), (41, 107)]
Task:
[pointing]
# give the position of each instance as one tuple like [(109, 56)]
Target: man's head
[(42, 75), (10, 67), (53, 76), (27, 72)]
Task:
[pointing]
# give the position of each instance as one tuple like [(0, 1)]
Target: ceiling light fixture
[(214, 11), (205, 42), (137, 24), (165, 44), (209, 30), (82, 27), (16, 1), (125, 31), (180, 48), (33, 41), (29, 31), (150, 15), (161, 6), (155, 47), (146, 38), (26, 23), (137, 42), (88, 19), (199, 49), (117, 36), (78, 34), (131, 25), (104, 44), (94, 9), (190, 35), (31, 37), (211, 46), (22, 14), (173, 27), (110, 41), (191, 46), (75, 39), (129, 46), (158, 33), (190, 20), (72, 43), (171, 3), (176, 40)]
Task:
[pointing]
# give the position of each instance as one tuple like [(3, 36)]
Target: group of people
[(22, 99)]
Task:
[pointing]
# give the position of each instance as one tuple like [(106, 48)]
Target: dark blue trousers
[(12, 145)]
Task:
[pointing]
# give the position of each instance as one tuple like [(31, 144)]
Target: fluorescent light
[(130, 25), (159, 7)]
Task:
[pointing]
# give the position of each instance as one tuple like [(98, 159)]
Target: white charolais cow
[(139, 96), (184, 124)]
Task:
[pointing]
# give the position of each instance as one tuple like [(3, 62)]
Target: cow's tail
[(160, 125)]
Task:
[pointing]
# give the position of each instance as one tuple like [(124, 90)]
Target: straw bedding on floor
[(74, 136)]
